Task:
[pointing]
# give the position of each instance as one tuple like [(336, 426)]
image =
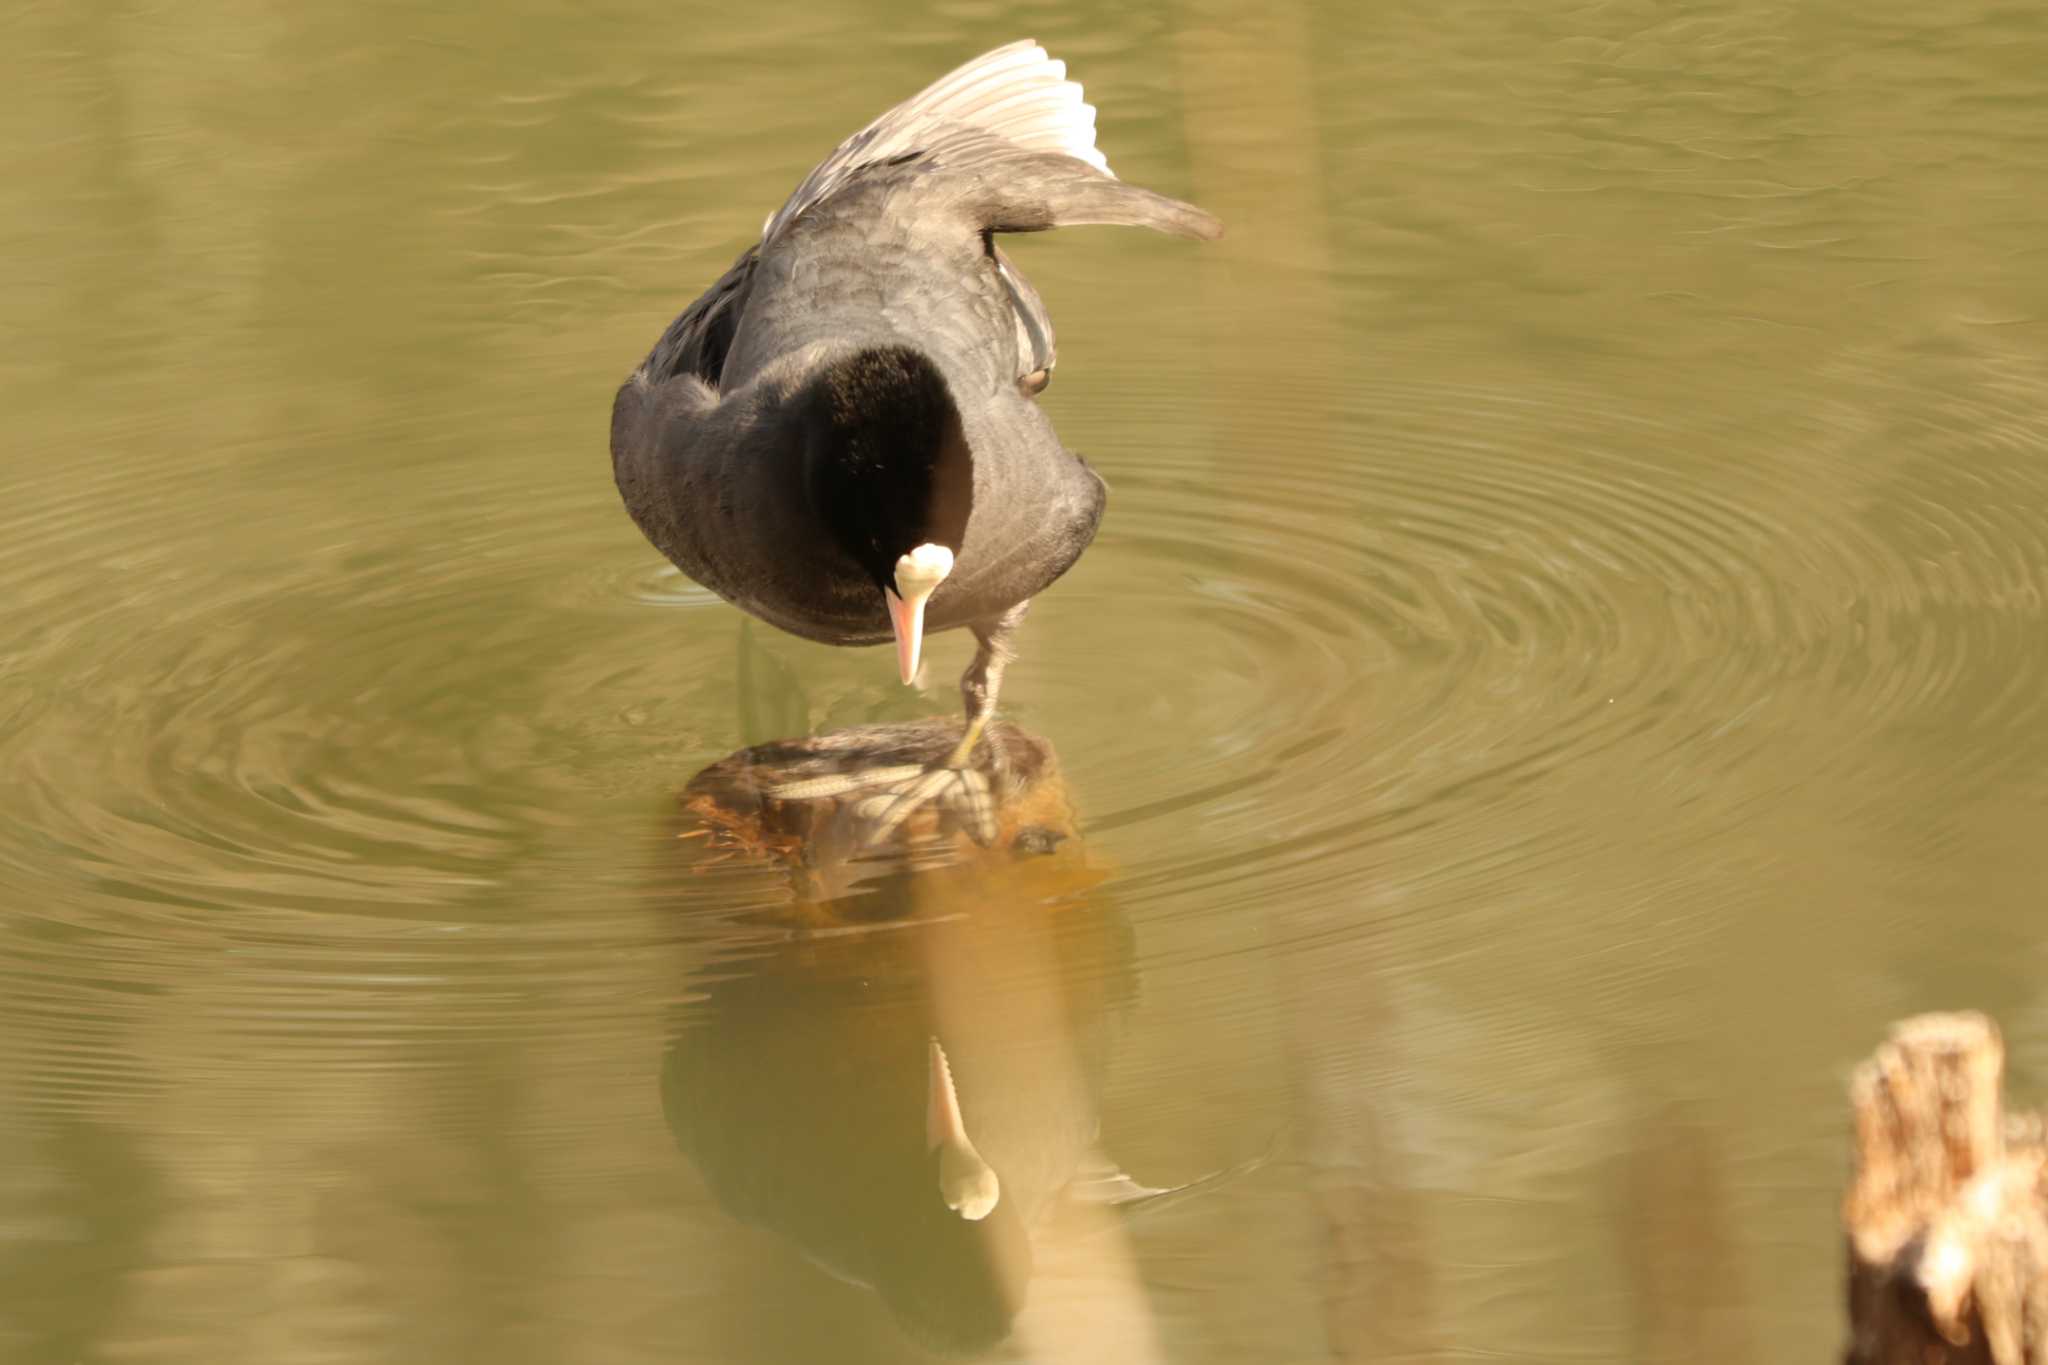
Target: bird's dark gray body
[(714, 485), (888, 245)]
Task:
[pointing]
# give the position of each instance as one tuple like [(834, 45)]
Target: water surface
[(1563, 667)]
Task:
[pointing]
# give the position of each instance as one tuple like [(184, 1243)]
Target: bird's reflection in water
[(906, 1085)]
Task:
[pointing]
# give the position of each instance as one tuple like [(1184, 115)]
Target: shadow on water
[(907, 1086)]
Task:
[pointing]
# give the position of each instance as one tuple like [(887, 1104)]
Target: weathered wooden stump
[(732, 812), (1947, 1210)]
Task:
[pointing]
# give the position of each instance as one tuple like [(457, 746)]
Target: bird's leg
[(984, 678), (965, 789), (960, 788)]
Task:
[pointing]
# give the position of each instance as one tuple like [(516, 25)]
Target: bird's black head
[(886, 459)]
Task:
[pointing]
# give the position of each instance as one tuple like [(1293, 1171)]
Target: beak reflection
[(966, 1182)]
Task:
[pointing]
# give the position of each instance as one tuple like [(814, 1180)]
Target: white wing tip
[(1022, 92), (1019, 92)]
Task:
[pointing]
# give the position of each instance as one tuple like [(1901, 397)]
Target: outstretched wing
[(1016, 93), (1003, 144), (1008, 140)]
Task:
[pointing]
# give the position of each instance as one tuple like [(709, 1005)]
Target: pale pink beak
[(907, 619), (967, 1182), (918, 574)]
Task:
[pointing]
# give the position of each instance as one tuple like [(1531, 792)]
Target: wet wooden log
[(732, 814), (1947, 1210), (737, 792)]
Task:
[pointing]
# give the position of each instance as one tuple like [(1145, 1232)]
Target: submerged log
[(1947, 1210)]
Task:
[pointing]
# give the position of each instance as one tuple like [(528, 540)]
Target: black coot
[(842, 435)]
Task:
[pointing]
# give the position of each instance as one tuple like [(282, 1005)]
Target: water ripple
[(1506, 584)]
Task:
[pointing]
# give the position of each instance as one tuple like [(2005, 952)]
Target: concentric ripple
[(1566, 662), (1414, 643), (1461, 603), (289, 772)]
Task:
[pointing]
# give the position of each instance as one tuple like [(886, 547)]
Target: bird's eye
[(1035, 382)]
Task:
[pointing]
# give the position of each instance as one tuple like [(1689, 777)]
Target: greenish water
[(1563, 667)]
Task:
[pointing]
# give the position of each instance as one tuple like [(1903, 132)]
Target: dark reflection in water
[(908, 1088)]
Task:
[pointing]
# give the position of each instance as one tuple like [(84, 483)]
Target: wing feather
[(1017, 95)]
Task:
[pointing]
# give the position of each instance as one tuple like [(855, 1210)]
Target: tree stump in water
[(820, 840), (1947, 1210)]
